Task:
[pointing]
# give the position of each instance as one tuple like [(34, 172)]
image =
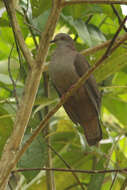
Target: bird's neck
[(62, 47)]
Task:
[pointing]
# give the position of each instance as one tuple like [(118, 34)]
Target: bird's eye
[(63, 38)]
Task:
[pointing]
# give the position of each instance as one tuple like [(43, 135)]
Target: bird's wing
[(68, 107), (81, 66)]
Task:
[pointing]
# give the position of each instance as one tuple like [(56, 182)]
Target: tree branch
[(103, 45), (121, 2), (11, 149), (47, 34), (113, 181), (115, 36), (124, 170), (118, 16)]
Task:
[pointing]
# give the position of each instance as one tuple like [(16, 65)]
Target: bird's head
[(63, 39)]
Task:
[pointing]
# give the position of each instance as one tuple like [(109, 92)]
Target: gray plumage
[(83, 107)]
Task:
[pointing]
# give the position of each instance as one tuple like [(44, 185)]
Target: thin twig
[(103, 45), (68, 166), (74, 186), (119, 42), (118, 16), (33, 27), (66, 3), (49, 174), (89, 18), (113, 181), (103, 21), (115, 36), (17, 31), (124, 185), (124, 170), (109, 154), (18, 51), (111, 87), (30, 28), (95, 48), (11, 77), (10, 187), (17, 45)]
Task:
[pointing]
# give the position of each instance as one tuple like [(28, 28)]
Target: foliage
[(89, 25)]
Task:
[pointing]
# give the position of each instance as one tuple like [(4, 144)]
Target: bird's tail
[(92, 131)]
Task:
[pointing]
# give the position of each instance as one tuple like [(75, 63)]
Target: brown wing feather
[(92, 101), (68, 107), (81, 66)]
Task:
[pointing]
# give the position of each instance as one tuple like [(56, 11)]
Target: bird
[(66, 66)]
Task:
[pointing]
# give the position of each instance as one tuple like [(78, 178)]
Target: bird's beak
[(52, 41)]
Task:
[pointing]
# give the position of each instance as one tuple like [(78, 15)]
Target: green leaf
[(113, 64), (97, 179), (89, 33), (39, 6), (24, 28), (40, 21), (117, 107), (7, 35), (120, 78), (34, 157), (4, 20), (47, 102), (63, 136), (4, 66), (6, 125), (6, 80), (26, 5), (83, 32), (82, 10), (107, 10)]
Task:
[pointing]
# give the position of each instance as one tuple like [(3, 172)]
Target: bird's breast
[(62, 70)]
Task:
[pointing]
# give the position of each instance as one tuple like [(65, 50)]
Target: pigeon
[(67, 65)]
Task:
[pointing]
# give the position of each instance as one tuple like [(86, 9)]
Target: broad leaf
[(34, 157)]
